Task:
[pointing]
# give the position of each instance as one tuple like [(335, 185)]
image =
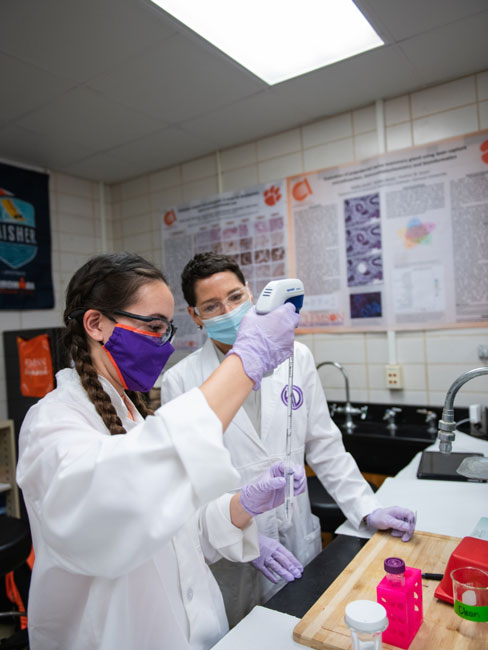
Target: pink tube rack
[(403, 606)]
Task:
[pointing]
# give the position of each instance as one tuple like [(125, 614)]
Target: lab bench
[(379, 449), (429, 497)]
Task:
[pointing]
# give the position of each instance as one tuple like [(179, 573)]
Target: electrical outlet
[(394, 379)]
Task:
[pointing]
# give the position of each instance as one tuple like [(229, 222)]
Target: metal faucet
[(390, 415), (431, 420), (446, 425), (348, 409)]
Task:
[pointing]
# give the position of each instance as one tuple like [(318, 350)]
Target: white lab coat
[(315, 436), (120, 527)]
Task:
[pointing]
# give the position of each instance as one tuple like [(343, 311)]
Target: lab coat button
[(189, 594)]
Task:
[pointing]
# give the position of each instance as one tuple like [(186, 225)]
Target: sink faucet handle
[(391, 412), (364, 411), (333, 409), (429, 415)]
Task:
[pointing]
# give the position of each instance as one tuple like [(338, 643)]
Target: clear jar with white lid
[(367, 620)]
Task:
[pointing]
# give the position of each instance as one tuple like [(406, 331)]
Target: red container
[(470, 551)]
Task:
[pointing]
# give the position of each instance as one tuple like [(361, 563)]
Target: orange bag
[(36, 366)]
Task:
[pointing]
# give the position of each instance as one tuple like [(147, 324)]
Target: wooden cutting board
[(323, 625)]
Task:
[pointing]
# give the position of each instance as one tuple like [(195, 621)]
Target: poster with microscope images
[(397, 241), (249, 225)]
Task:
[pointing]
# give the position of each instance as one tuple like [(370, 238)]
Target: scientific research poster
[(397, 241), (249, 225)]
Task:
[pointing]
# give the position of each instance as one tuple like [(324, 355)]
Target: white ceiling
[(111, 89)]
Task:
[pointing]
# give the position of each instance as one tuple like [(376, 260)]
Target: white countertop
[(261, 629), (444, 507)]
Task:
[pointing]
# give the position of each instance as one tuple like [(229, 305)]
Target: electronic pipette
[(274, 294)]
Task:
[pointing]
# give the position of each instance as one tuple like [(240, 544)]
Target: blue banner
[(25, 240)]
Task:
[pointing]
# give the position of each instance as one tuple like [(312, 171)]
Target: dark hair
[(107, 283), (203, 265)]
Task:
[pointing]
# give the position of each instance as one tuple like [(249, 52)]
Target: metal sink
[(376, 450)]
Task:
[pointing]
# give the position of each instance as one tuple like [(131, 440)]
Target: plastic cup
[(470, 592), (366, 620)]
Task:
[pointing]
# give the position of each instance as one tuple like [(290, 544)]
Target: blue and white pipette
[(274, 294)]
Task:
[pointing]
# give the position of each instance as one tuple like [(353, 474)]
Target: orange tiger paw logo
[(272, 196)]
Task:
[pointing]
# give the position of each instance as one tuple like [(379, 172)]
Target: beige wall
[(430, 359)]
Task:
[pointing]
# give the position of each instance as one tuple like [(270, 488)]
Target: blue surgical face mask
[(224, 328)]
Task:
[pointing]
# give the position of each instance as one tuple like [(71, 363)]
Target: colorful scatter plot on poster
[(416, 233)]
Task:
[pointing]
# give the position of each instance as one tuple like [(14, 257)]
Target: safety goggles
[(157, 324), (218, 307)]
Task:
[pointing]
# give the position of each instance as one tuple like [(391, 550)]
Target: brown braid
[(107, 283), (89, 378), (140, 403)]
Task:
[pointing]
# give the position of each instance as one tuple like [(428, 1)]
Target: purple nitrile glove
[(265, 340), (275, 561), (400, 520), (268, 491)]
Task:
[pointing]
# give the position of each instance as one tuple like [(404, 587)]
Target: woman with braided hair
[(126, 505)]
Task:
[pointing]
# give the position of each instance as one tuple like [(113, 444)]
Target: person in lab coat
[(126, 506), (218, 298)]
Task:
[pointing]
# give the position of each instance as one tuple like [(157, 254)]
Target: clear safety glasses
[(157, 324), (217, 307)]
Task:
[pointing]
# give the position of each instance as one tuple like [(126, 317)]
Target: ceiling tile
[(85, 115), (48, 150), (404, 19), (160, 149), (103, 167), (79, 39), (451, 51), (254, 117), (26, 87), (178, 80)]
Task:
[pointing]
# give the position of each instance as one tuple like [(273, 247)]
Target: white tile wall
[(483, 108), (366, 145), (482, 83), (200, 168), (239, 156), (398, 136), (276, 168), (364, 119), (445, 125), (164, 179), (440, 98), (430, 360), (200, 189), (397, 110), (279, 145), (236, 179), (328, 155), (329, 130)]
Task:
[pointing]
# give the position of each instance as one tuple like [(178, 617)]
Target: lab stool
[(324, 506), (15, 547)]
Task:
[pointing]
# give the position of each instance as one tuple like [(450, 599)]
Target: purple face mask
[(138, 357)]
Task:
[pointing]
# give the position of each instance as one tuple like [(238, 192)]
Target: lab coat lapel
[(241, 421)]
